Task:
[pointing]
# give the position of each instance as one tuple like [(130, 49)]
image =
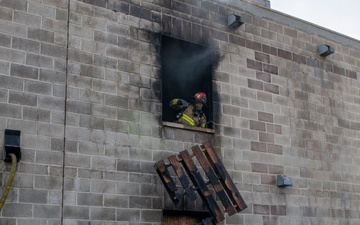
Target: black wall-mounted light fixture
[(325, 50), (235, 21), (283, 181), (12, 144)]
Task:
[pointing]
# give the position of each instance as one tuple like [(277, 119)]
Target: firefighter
[(191, 114)]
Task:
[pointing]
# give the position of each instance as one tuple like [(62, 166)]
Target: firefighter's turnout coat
[(188, 114)]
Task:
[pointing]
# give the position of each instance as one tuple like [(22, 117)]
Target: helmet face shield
[(200, 97)]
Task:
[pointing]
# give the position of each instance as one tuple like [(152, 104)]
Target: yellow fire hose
[(11, 178)]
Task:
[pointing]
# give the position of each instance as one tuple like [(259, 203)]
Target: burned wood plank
[(224, 177), (213, 179), (167, 180), (203, 190), (182, 177)]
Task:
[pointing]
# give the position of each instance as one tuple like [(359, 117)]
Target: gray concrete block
[(17, 210), (128, 90), (90, 174), (128, 188), (75, 184), (57, 144), (116, 201), (48, 182), (76, 212), (117, 29), (81, 32), (49, 158), (6, 14), (12, 29), (61, 15), (22, 98), (55, 25), (81, 161), (93, 47), (16, 4), (105, 38), (90, 148), (3, 96), (79, 107), (80, 56), (26, 45), (103, 163), (27, 127), (33, 196), (41, 9), (53, 50), (94, 23), (39, 61), (151, 215), (91, 96), (107, 62), (4, 67), (101, 186), (131, 215), (90, 199), (40, 35), (91, 71), (107, 214), (127, 165), (52, 76), (37, 87), (105, 86), (24, 71), (92, 122), (29, 20), (13, 83), (36, 114), (60, 65), (51, 103), (139, 202), (117, 101), (117, 53), (47, 211), (59, 91)]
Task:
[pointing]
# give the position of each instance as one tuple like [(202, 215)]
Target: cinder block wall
[(82, 81)]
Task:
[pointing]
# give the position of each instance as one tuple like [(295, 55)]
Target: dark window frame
[(187, 68)]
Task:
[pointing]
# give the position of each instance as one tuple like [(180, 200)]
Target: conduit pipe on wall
[(10, 180)]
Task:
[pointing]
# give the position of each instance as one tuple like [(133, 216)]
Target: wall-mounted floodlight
[(283, 181), (12, 144), (235, 21), (325, 50)]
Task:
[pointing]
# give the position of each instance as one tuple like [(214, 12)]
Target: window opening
[(171, 217), (186, 70)]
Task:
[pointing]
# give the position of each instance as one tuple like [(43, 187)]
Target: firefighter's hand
[(210, 124)]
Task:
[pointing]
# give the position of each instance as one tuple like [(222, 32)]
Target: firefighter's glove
[(178, 104), (210, 124)]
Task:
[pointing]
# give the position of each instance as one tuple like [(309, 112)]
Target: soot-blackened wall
[(186, 68), (83, 82)]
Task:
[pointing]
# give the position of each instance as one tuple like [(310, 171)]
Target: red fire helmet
[(200, 97)]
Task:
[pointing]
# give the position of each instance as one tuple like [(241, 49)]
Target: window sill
[(181, 126)]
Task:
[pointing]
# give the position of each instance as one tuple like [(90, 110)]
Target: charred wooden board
[(203, 190), (224, 177), (214, 181), (167, 180), (182, 177)]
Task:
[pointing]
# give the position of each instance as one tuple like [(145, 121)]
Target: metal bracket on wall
[(222, 184), (12, 144)]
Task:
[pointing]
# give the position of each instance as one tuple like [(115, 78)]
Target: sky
[(341, 16)]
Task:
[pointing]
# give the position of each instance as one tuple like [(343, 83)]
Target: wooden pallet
[(216, 174)]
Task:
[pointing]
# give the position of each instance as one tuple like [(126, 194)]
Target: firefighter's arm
[(203, 121), (178, 103)]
